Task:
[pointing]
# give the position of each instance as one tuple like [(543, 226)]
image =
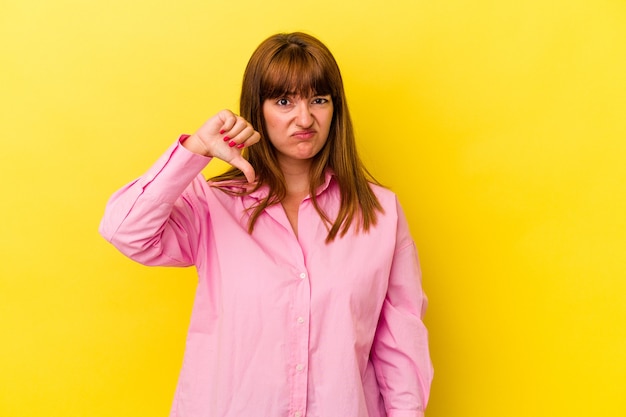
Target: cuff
[(173, 172)]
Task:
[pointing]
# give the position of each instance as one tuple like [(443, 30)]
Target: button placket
[(302, 305)]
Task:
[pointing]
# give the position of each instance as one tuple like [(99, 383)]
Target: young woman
[(309, 301)]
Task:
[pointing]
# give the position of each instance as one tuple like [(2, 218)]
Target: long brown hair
[(297, 63)]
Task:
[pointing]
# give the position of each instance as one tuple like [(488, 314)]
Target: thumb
[(241, 163)]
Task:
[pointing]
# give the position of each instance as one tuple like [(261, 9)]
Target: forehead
[(294, 73)]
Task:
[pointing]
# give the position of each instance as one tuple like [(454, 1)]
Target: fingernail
[(226, 138), (222, 132), (240, 146), (231, 143)]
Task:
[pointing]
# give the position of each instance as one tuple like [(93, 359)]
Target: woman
[(309, 300)]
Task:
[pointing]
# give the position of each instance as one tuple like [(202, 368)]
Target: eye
[(321, 100), (283, 101)]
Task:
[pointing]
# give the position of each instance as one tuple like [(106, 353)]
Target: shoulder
[(387, 198), (393, 214)]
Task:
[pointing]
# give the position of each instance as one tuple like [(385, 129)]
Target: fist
[(224, 136)]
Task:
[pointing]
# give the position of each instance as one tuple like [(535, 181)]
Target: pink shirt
[(281, 326)]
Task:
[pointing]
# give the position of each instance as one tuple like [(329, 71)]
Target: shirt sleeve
[(400, 353), (154, 220)]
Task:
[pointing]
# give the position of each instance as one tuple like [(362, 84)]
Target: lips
[(304, 134)]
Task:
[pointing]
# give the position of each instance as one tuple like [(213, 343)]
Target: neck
[(296, 175)]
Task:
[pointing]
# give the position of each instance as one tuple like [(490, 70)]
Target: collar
[(263, 191)]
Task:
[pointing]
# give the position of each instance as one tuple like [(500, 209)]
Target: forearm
[(138, 219)]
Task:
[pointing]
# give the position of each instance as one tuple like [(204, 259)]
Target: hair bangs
[(293, 71)]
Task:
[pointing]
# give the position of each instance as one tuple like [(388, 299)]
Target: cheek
[(328, 121), (270, 119), (271, 127)]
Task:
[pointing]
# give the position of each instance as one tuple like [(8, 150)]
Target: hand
[(223, 136)]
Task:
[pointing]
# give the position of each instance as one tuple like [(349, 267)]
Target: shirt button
[(302, 275), (299, 367), (300, 320), (297, 414)]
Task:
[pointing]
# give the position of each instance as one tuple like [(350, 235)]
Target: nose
[(304, 117)]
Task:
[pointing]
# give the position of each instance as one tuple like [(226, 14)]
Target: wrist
[(194, 144)]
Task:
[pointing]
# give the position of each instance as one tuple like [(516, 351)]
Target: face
[(298, 126)]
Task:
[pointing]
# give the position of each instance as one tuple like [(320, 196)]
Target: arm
[(156, 219), (400, 353), (150, 220)]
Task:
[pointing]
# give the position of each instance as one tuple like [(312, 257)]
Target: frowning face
[(298, 126)]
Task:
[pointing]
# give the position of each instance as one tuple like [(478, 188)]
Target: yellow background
[(500, 124)]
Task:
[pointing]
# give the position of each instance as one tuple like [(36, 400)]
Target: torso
[(291, 205)]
